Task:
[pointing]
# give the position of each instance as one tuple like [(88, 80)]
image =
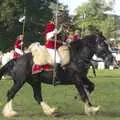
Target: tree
[(37, 13), (92, 13)]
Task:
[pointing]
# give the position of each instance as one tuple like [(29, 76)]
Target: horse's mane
[(89, 40)]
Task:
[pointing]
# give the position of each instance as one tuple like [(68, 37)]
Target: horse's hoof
[(52, 112), (55, 114), (95, 109), (9, 114), (91, 110)]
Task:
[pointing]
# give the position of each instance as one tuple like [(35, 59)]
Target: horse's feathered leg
[(88, 85), (38, 97), (36, 86), (93, 68), (80, 87), (8, 110), (15, 88), (89, 108), (19, 79)]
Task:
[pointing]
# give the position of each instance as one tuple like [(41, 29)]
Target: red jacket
[(18, 49), (50, 32), (18, 44), (76, 37)]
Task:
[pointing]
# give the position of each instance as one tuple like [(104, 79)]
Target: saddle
[(41, 56), (39, 53)]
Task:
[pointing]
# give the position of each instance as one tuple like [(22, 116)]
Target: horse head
[(103, 49), (83, 50)]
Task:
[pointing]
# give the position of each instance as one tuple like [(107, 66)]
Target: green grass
[(106, 94)]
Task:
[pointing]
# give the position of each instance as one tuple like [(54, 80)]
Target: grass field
[(106, 94)]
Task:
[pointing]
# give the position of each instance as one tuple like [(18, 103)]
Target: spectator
[(73, 36), (76, 35)]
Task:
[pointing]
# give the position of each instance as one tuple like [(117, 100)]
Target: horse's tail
[(6, 68)]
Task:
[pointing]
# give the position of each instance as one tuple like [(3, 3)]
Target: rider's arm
[(51, 34), (54, 32)]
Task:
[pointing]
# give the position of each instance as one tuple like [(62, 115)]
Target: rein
[(97, 60)]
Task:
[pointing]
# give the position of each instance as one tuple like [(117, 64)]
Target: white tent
[(112, 13)]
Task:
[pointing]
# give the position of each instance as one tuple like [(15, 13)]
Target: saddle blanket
[(39, 68)]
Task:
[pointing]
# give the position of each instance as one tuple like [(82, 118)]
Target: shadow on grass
[(104, 76), (67, 114), (108, 76), (110, 114), (55, 115), (99, 114)]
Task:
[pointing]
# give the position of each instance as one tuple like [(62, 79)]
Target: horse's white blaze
[(47, 109), (8, 110), (91, 110)]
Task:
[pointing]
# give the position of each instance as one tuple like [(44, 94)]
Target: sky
[(72, 4), (117, 7)]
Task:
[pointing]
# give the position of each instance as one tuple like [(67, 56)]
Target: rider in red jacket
[(51, 31), (18, 47)]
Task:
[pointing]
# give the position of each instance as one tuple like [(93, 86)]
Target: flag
[(21, 19)]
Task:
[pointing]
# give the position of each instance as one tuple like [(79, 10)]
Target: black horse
[(73, 73)]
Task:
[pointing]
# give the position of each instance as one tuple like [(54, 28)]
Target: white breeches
[(52, 54), (19, 51)]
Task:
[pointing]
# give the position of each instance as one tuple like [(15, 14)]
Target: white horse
[(5, 57)]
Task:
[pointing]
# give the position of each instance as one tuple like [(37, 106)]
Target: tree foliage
[(92, 13), (37, 14)]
